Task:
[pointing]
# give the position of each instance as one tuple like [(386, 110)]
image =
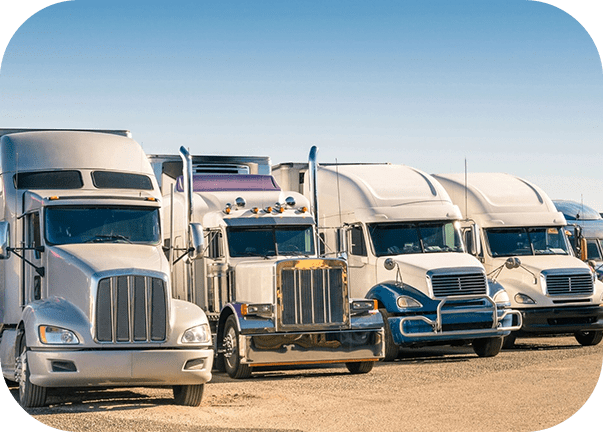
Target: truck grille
[(564, 284), (131, 309), (445, 285), (313, 297)]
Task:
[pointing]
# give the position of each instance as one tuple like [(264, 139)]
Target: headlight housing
[(405, 302), (263, 310), (364, 306), (524, 299), (52, 335), (195, 335)]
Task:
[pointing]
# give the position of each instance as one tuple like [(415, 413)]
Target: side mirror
[(476, 245), (196, 232), (4, 240)]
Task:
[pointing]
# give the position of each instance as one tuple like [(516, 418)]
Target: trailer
[(271, 300), (400, 233), (524, 247), (85, 289)]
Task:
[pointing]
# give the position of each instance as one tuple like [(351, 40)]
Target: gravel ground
[(537, 385)]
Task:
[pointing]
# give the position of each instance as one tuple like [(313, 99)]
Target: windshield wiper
[(99, 238)]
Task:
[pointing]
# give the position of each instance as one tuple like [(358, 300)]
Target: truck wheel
[(509, 341), (360, 367), (230, 343), (487, 347), (589, 338), (188, 395), (30, 395), (391, 349)]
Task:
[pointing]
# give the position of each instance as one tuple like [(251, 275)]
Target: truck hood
[(414, 267), (71, 268), (94, 258), (538, 263)]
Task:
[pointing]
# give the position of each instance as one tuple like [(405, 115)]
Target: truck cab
[(270, 298), (585, 232), (524, 248), (400, 232), (84, 283)]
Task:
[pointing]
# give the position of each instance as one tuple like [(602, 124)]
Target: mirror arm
[(39, 270)]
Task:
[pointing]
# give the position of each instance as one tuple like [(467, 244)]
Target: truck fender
[(228, 310), (53, 311), (386, 293)]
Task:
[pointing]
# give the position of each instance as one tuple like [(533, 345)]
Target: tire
[(356, 368), (487, 347), (589, 338), (509, 341), (230, 342), (391, 349), (188, 395), (30, 395)]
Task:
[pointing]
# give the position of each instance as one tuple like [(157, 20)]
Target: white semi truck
[(524, 247), (85, 290), (404, 250), (255, 270)]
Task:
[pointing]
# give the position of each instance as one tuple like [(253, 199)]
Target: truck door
[(31, 280), (219, 279), (361, 274)]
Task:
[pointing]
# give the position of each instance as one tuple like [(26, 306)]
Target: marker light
[(53, 198), (227, 210), (255, 210), (281, 209), (268, 209), (303, 209)]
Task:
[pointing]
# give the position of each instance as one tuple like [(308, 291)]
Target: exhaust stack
[(187, 180), (313, 171)]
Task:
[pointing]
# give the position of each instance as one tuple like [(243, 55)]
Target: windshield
[(526, 241), (68, 225), (409, 238), (270, 241)]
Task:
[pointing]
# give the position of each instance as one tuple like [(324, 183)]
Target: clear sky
[(511, 85)]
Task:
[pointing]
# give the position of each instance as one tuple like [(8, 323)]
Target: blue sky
[(511, 85)]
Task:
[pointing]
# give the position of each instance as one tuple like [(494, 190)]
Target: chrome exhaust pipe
[(313, 171), (187, 182)]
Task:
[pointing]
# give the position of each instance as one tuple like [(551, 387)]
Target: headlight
[(198, 334), (524, 299), (362, 306), (263, 310), (57, 335), (407, 302)]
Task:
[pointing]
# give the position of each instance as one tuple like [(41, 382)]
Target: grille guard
[(437, 324)]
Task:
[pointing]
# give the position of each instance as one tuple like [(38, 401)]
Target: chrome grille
[(312, 296), (131, 309), (565, 284), (445, 285)]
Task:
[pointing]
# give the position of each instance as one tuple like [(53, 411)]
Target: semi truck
[(85, 289), (270, 300), (400, 233), (524, 247), (585, 232)]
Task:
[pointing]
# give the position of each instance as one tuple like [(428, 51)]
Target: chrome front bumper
[(311, 348)]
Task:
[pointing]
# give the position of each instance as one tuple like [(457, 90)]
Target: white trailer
[(399, 230), (525, 248), (270, 299), (85, 290)]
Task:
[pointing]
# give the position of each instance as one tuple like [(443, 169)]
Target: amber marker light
[(255, 210), (268, 209), (303, 209), (53, 198)]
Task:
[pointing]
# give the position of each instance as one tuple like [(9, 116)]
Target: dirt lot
[(538, 385)]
